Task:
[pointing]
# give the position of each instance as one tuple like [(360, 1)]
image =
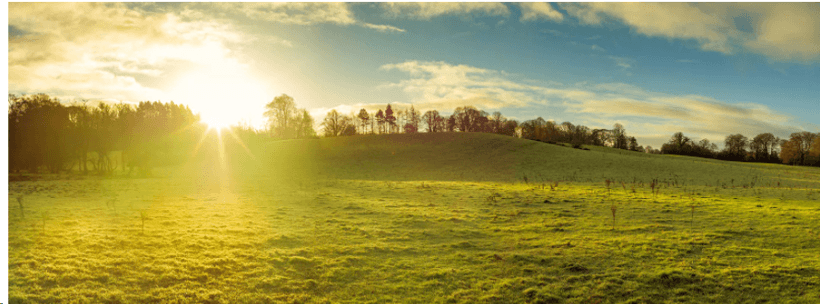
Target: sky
[(705, 69)]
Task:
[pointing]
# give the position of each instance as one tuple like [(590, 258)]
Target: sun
[(216, 123), (222, 96)]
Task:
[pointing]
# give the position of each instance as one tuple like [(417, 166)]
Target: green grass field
[(426, 218)]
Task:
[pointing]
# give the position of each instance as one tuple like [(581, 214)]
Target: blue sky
[(707, 70)]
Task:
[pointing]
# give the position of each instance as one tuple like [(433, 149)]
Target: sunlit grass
[(392, 230)]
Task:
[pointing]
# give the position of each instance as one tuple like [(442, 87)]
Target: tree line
[(45, 133), (801, 148), (471, 119)]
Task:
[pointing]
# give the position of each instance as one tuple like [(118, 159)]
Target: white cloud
[(672, 20), (100, 51), (532, 11), (788, 31), (429, 10), (382, 28), (780, 31), (304, 13), (449, 86)]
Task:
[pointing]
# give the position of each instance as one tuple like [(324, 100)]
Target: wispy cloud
[(533, 11), (554, 32), (623, 62), (448, 86), (781, 31), (595, 47), (302, 13), (88, 47), (697, 115), (382, 28), (429, 10)]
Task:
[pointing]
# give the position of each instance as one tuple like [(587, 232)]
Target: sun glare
[(222, 96), (215, 123)]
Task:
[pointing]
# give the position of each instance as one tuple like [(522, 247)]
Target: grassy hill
[(490, 157)]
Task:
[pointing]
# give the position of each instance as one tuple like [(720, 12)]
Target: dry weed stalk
[(20, 202), (614, 209)]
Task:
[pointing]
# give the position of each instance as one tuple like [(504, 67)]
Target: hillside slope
[(490, 157)]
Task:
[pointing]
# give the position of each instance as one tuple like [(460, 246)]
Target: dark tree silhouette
[(390, 119), (704, 148), (450, 124), (619, 136), (39, 133), (678, 144), (601, 137), (434, 121), (633, 144), (469, 119), (363, 119), (380, 120), (763, 147), (103, 137), (735, 147), (509, 127), (533, 129), (46, 133)]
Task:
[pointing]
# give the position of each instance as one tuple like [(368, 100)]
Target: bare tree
[(497, 122), (372, 123), (414, 118), (433, 121), (336, 124), (798, 147)]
